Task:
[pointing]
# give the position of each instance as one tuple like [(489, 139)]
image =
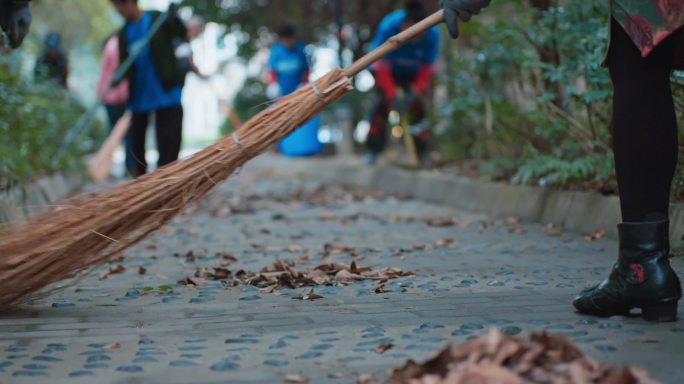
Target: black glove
[(463, 10), (18, 21)]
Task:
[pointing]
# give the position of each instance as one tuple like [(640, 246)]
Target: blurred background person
[(155, 82), (115, 99), (409, 69), (288, 64), (52, 63)]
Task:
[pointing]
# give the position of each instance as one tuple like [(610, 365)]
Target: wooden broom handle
[(394, 43)]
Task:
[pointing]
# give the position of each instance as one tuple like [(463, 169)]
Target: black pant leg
[(138, 132), (169, 128), (377, 135), (645, 138)]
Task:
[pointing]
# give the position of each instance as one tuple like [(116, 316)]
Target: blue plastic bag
[(303, 142)]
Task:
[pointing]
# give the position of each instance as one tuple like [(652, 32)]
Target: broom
[(101, 164), (77, 236)]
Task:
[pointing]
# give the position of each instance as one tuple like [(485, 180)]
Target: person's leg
[(138, 131), (377, 134), (418, 113), (128, 147), (644, 126), (645, 147), (169, 128), (114, 113)]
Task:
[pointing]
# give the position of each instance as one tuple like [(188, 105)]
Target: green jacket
[(162, 47)]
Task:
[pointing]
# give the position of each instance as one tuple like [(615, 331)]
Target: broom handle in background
[(394, 43)]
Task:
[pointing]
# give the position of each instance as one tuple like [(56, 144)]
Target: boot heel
[(664, 312)]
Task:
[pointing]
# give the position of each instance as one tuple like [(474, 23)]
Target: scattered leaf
[(142, 270), (294, 248), (553, 231), (112, 346), (445, 242), (418, 247), (299, 379), (113, 270), (498, 358), (227, 259), (441, 223), (519, 230), (597, 235), (366, 378), (194, 281), (383, 347), (311, 296), (381, 289)]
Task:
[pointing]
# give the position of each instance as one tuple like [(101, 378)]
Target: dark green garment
[(648, 22), (163, 52)]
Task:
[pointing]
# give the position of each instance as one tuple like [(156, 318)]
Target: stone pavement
[(146, 328)]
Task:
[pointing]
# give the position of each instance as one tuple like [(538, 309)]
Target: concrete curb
[(582, 212), (22, 202)]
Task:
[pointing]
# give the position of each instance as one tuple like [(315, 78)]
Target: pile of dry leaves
[(283, 274), (502, 359)]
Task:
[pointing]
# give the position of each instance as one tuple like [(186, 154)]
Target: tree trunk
[(548, 54)]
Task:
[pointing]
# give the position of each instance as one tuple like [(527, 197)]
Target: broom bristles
[(58, 244)]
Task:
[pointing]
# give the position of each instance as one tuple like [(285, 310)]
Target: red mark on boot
[(638, 271)]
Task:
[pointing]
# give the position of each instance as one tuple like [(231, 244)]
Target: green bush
[(34, 120)]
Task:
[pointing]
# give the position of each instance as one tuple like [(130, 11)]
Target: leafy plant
[(529, 88), (34, 120)]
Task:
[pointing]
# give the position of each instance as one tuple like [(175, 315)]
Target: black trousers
[(645, 140), (378, 134), (169, 132)]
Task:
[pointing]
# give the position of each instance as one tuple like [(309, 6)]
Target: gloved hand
[(463, 10), (18, 21)]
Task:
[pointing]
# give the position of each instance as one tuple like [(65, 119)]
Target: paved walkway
[(494, 273)]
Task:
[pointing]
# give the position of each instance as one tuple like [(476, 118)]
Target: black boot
[(642, 277)]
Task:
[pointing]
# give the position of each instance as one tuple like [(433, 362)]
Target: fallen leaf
[(441, 223), (142, 270), (366, 378), (381, 289), (553, 231), (498, 358), (445, 242), (300, 379), (113, 270), (294, 248), (519, 230), (512, 221), (358, 270), (327, 216), (383, 347), (597, 235), (338, 375), (311, 296), (112, 346), (194, 281)]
